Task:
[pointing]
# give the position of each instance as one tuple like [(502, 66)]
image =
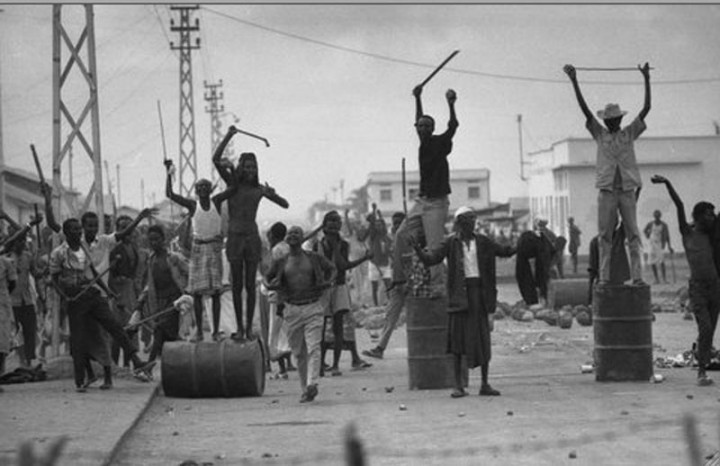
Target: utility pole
[(117, 179), (522, 158), (110, 193), (187, 168), (74, 123), (212, 96), (342, 192), (70, 167), (229, 152)]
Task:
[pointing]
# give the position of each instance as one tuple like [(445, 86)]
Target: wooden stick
[(626, 68), (37, 163), (435, 71), (162, 130), (403, 187), (267, 144), (37, 232), (165, 311)]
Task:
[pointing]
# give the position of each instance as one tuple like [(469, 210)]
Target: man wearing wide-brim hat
[(617, 174)]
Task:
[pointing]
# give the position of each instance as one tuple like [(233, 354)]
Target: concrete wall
[(460, 182), (567, 170)]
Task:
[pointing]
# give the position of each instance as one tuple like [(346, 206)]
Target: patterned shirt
[(616, 155), (71, 267), (99, 250)]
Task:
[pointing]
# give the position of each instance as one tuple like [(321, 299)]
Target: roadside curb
[(126, 433)]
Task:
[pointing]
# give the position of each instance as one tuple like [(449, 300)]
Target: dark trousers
[(526, 280), (166, 329), (705, 304), (94, 306), (26, 318), (115, 349)]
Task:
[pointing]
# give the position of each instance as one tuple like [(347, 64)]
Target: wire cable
[(456, 70)]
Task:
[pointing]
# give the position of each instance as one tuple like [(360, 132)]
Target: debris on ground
[(680, 360), (657, 378)]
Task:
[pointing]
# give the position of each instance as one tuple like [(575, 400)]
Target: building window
[(386, 195), (473, 192), (561, 180)]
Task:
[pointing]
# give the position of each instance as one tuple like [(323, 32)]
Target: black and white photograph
[(359, 233)]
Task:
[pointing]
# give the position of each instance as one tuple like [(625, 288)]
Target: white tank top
[(206, 223)]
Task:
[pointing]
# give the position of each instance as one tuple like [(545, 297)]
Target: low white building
[(470, 187), (562, 181)]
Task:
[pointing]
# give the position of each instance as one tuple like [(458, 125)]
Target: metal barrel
[(572, 291), (224, 369), (622, 325), (430, 366)]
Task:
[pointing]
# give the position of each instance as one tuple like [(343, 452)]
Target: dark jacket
[(452, 249)]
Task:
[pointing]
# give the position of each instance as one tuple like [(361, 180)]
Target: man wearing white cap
[(617, 174), (472, 295)]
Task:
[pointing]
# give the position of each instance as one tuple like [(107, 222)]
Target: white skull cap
[(463, 210)]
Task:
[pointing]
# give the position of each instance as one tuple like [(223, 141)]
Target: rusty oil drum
[(567, 291), (622, 324), (209, 369), (430, 366)]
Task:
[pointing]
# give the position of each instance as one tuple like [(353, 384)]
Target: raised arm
[(46, 191), (348, 224), (682, 222), (145, 213), (270, 193), (645, 70), (572, 74), (20, 233), (417, 92), (226, 173), (189, 204), (451, 97), (4, 216)]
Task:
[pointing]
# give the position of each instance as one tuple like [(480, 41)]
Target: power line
[(456, 70), (162, 27), (205, 55)]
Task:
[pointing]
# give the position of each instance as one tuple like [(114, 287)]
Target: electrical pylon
[(84, 64), (187, 168), (212, 96)]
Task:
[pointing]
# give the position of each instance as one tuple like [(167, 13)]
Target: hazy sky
[(330, 85)]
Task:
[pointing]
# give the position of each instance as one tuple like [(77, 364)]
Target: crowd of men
[(114, 291)]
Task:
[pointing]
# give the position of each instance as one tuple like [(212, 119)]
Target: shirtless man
[(704, 285), (301, 278), (244, 246)]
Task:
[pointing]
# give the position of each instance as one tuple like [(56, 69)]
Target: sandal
[(361, 364), (487, 390)]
